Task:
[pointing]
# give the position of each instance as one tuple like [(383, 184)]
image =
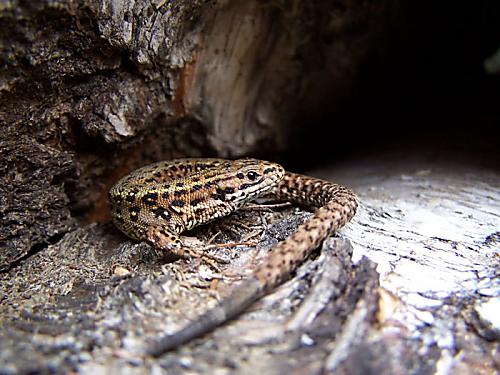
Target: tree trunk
[(94, 89)]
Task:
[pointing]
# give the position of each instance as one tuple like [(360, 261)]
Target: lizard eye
[(252, 175)]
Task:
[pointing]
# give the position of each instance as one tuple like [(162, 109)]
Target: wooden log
[(91, 90)]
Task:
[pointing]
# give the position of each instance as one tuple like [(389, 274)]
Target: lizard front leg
[(171, 244), (164, 239)]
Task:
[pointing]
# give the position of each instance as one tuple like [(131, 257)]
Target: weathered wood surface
[(94, 300), (433, 229), (92, 89)]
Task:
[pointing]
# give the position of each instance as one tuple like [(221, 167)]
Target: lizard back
[(182, 194)]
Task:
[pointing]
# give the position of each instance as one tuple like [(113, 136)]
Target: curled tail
[(337, 205)]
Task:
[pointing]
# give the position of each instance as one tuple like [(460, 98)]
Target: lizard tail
[(236, 303), (337, 205)]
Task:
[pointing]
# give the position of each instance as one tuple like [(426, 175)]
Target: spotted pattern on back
[(182, 194)]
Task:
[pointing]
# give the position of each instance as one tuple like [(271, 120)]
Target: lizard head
[(247, 179)]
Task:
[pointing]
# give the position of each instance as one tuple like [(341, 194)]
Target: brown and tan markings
[(158, 202)]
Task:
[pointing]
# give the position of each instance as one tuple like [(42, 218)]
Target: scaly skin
[(158, 202)]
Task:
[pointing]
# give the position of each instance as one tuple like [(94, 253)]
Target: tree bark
[(86, 84), (92, 89)]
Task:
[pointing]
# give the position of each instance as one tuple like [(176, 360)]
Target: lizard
[(158, 202)]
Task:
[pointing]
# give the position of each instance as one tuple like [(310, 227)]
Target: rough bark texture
[(92, 89), (87, 84)]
